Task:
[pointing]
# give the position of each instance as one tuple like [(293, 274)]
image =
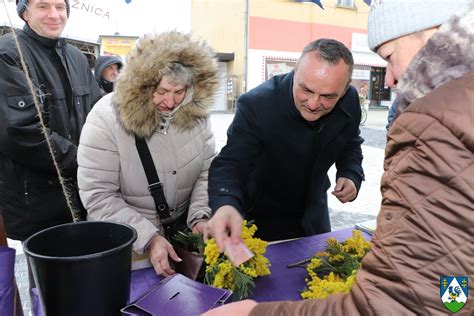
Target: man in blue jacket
[(285, 136), (31, 197)]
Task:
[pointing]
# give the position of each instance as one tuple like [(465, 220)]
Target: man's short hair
[(331, 51)]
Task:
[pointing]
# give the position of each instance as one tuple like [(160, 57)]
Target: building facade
[(267, 37), (253, 39)]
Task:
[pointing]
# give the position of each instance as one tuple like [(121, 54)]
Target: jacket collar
[(45, 41), (446, 56), (287, 82), (333, 123)]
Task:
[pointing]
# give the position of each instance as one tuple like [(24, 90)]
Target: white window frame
[(346, 3)]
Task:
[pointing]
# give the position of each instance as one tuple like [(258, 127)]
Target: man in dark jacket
[(106, 71), (31, 197), (285, 136)]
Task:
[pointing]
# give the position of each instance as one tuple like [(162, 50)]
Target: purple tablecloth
[(282, 284), (7, 280)]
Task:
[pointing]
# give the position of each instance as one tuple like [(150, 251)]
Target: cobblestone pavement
[(365, 207), (21, 275), (374, 137)]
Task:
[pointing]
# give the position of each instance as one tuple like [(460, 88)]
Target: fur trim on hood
[(446, 56), (143, 71)]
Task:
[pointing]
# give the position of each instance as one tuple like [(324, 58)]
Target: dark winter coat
[(30, 195), (274, 166)]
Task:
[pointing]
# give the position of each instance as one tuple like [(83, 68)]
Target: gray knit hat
[(390, 19), (21, 7)]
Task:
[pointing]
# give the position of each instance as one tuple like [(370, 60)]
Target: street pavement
[(365, 207)]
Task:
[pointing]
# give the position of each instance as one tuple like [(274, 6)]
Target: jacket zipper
[(26, 193)]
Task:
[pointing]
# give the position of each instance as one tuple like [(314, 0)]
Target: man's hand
[(201, 228), (242, 308), (345, 190), (159, 250), (227, 220)]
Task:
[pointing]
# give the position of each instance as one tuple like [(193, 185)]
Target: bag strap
[(154, 185)]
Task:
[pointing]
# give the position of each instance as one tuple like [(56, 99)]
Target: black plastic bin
[(82, 268)]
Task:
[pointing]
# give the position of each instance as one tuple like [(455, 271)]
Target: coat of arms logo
[(453, 291)]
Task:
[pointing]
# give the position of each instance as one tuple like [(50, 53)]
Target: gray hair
[(331, 51), (178, 73)]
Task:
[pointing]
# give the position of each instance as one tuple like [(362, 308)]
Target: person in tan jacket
[(425, 225), (163, 95)]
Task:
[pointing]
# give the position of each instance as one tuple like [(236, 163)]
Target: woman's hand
[(201, 228), (160, 250)]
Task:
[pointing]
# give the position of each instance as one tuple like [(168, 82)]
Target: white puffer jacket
[(112, 182)]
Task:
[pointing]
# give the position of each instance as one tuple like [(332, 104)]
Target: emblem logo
[(453, 291)]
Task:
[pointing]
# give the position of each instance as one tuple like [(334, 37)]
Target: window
[(278, 66), (346, 3)]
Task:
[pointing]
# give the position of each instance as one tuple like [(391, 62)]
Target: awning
[(225, 57), (368, 59)]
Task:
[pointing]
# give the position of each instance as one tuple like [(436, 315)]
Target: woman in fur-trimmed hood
[(162, 97), (145, 68)]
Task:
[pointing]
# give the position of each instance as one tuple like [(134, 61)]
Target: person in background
[(162, 96), (285, 136), (364, 90), (425, 225), (31, 196), (392, 111), (106, 71)]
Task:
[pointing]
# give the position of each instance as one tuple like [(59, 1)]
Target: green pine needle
[(189, 241), (244, 285)]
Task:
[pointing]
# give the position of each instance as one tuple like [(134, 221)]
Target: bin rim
[(32, 254)]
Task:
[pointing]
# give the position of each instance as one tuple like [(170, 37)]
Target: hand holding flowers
[(221, 273), (219, 270)]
